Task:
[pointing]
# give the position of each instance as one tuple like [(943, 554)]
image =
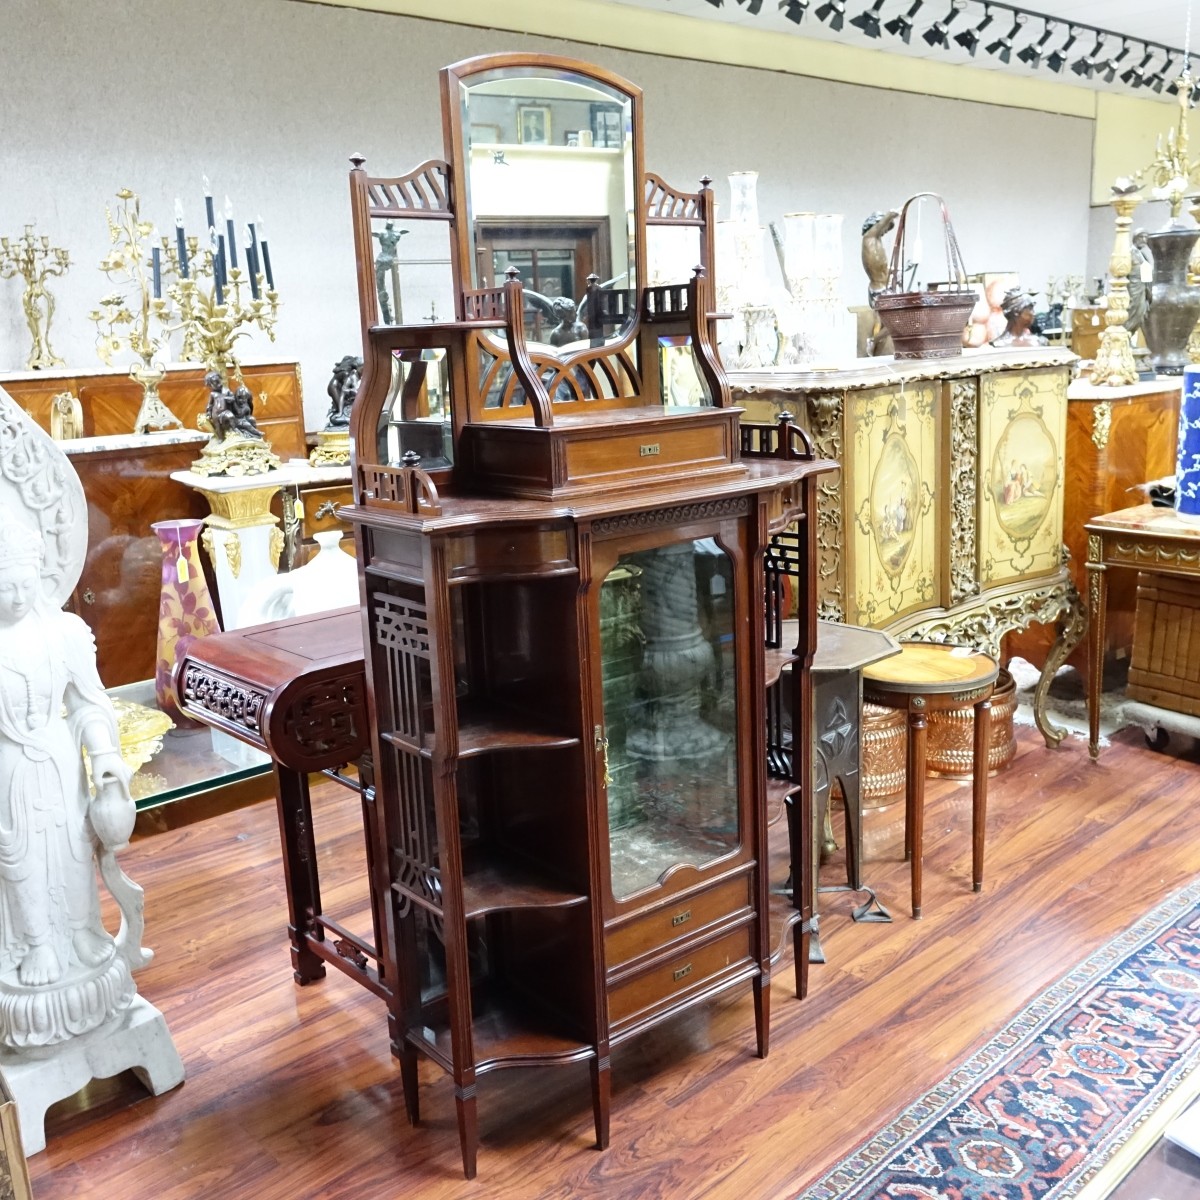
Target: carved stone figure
[(342, 390), (69, 1008), (1142, 269), (1017, 308)]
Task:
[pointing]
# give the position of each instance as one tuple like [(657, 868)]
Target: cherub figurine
[(1017, 308), (876, 263)]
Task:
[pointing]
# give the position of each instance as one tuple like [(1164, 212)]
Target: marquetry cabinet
[(1118, 440), (945, 521), (127, 480), (575, 819)]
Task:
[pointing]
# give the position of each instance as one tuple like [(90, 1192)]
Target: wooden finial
[(410, 458), (512, 274), (705, 182), (357, 161)]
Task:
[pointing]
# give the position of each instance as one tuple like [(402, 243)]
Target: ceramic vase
[(1187, 465), (185, 609), (1174, 303)]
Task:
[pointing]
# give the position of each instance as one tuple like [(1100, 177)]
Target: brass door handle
[(326, 509)]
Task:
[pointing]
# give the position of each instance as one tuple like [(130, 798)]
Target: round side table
[(925, 678)]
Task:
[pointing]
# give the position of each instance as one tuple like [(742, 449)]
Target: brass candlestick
[(124, 322), (1114, 363), (1171, 171), (35, 260), (217, 305)]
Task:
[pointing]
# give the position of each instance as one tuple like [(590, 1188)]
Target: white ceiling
[(1160, 21)]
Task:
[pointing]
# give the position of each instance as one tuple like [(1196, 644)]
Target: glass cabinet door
[(667, 666)]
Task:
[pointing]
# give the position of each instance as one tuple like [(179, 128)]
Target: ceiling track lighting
[(1113, 65), (969, 38), (902, 26), (1135, 76), (937, 34), (794, 10), (1001, 48), (833, 13), (868, 19), (1085, 67), (753, 7), (1158, 80), (1057, 59), (1031, 55)]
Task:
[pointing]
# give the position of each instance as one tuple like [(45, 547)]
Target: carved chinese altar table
[(945, 522)]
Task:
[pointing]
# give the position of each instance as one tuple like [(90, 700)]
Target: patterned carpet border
[(909, 1157)]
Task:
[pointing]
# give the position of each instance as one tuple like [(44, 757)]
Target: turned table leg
[(914, 795), (983, 739), (1097, 595)]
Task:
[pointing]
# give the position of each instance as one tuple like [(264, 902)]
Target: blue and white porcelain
[(1187, 463)]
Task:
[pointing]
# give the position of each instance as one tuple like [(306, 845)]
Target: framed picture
[(484, 133), (608, 126), (533, 125)]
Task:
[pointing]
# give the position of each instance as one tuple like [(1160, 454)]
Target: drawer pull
[(681, 918), (682, 973)]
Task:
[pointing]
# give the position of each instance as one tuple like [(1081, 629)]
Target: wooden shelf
[(778, 790), (507, 1031), (500, 885), (486, 729), (777, 661)]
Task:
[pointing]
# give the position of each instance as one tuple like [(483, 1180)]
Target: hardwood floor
[(291, 1093)]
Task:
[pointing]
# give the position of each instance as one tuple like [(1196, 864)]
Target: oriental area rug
[(1065, 1099)]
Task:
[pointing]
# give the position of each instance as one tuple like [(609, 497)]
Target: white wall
[(270, 97)]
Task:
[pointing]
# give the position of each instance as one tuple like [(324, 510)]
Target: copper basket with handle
[(926, 324)]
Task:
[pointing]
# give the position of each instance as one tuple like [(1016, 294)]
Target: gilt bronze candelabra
[(35, 260), (126, 318), (1171, 172)]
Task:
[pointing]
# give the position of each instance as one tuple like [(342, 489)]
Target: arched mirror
[(549, 159)]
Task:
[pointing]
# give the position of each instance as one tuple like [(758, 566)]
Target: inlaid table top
[(927, 667), (1149, 519)]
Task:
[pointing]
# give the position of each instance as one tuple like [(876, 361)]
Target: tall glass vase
[(185, 609)]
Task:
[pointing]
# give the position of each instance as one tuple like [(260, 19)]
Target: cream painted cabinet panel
[(896, 526), (1023, 420)]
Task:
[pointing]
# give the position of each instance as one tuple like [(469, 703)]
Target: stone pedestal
[(138, 1041)]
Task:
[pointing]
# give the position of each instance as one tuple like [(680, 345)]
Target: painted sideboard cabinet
[(945, 522)]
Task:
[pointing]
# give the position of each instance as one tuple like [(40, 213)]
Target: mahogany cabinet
[(563, 593)]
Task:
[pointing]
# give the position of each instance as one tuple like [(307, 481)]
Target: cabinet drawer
[(320, 505), (679, 921), (686, 971)]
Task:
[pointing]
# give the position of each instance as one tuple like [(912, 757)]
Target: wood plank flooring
[(291, 1092)]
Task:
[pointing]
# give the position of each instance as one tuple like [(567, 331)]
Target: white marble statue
[(69, 1009)]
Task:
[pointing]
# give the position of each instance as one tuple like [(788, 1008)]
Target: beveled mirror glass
[(551, 190)]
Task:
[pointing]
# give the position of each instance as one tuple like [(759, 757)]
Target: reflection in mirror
[(416, 414), (550, 183), (680, 380), (667, 665), (414, 282)]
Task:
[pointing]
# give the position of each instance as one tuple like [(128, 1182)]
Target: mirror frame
[(459, 74)]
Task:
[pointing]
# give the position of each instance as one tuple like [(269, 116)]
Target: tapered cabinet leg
[(468, 1127), (801, 944), (408, 1078), (299, 870), (983, 740), (762, 1013), (914, 823), (601, 1099)]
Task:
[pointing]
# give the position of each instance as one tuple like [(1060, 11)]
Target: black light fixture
[(833, 13), (1001, 48), (1135, 76), (969, 38), (901, 26), (1057, 59), (716, 3), (1110, 68), (868, 19), (1031, 55), (936, 34), (1085, 67), (794, 10), (1158, 80), (753, 7)]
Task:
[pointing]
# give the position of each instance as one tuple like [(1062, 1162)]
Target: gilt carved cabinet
[(945, 522), (563, 594)]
